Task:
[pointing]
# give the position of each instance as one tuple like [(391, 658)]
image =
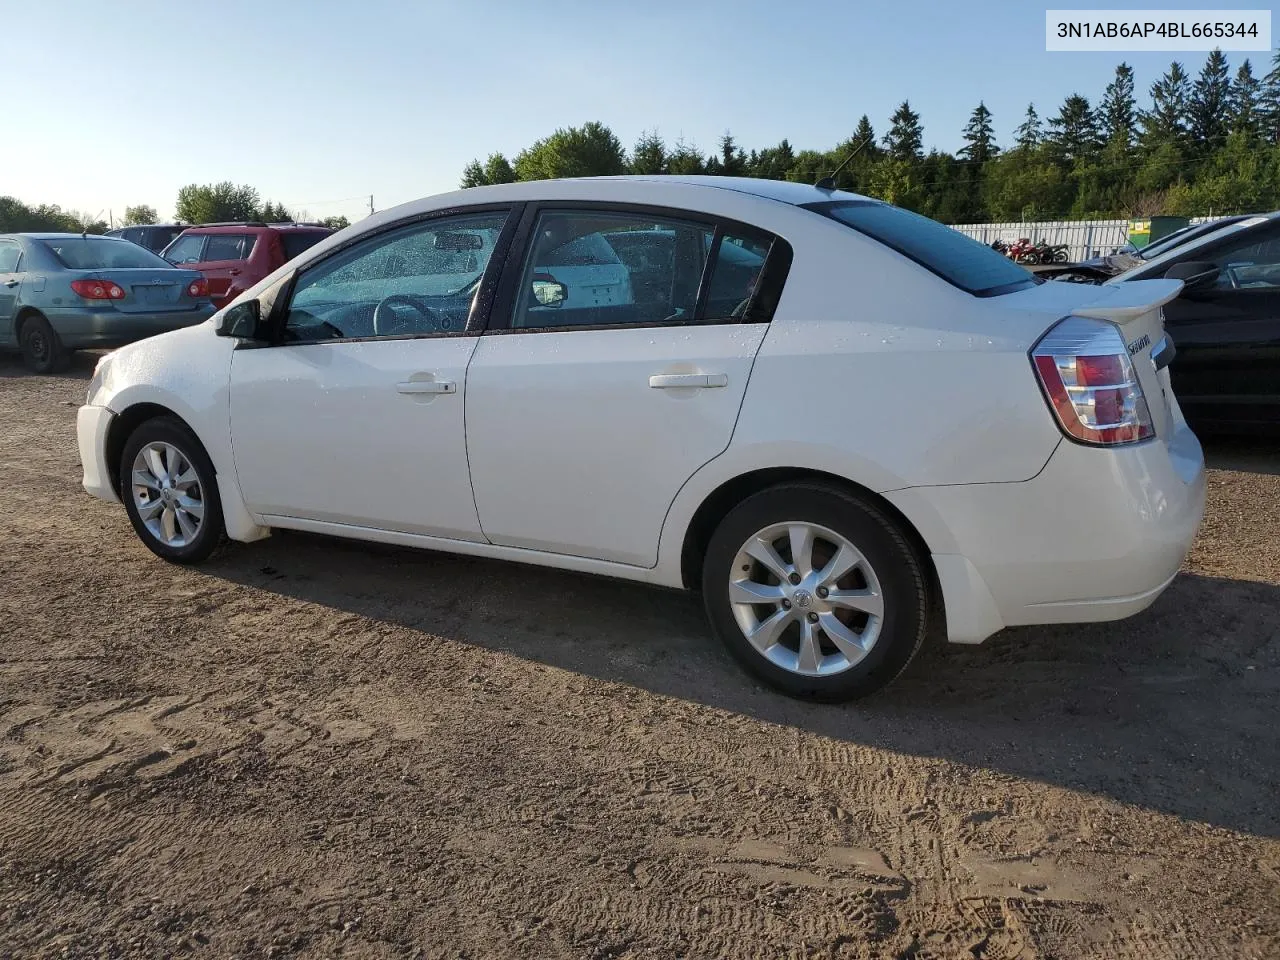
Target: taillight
[(198, 288), (1090, 383), (98, 289)]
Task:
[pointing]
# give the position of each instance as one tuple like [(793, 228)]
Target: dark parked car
[(1099, 269), (1225, 326), (235, 256), (63, 291), (154, 236)]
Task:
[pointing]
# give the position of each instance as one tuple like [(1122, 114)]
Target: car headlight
[(98, 381)]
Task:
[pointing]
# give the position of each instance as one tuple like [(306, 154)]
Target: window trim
[(17, 264), (773, 273), (481, 304)]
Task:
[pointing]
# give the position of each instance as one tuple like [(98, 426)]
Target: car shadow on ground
[(1246, 454), (1174, 709), (80, 367)]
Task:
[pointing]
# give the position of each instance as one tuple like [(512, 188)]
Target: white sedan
[(831, 416)]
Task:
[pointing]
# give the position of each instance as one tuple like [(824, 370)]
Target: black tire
[(172, 431), (903, 586), (42, 350)]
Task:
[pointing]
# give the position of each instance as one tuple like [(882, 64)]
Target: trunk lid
[(148, 289)]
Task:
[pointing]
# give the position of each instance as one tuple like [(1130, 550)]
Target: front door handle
[(668, 381), (11, 283), (426, 386)]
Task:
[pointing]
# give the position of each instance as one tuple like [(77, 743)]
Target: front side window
[(412, 281), (1252, 263), (10, 254), (102, 253), (960, 260), (591, 268), (186, 249), (228, 246)]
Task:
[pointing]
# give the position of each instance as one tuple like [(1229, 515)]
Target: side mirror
[(244, 320), (1194, 274), (550, 293)]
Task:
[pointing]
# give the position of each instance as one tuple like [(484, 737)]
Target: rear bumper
[(79, 329), (92, 424), (1097, 535)]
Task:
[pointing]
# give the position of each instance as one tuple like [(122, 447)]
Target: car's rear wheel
[(42, 350), (170, 491), (816, 591)]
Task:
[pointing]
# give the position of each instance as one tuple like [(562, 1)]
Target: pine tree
[(905, 139), (1028, 134), (1244, 102), (1208, 103), (865, 133), (1073, 133), (1269, 102), (650, 154), (979, 136), (1165, 123), (473, 175), (1118, 109)]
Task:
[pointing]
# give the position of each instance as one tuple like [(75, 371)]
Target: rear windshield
[(101, 253), (295, 243), (962, 261)]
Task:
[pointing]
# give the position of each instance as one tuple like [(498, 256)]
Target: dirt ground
[(316, 748)]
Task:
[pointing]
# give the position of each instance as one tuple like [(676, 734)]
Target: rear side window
[(295, 243), (228, 246), (961, 261)]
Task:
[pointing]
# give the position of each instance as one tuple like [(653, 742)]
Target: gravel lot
[(313, 748)]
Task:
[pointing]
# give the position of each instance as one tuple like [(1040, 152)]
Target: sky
[(320, 103)]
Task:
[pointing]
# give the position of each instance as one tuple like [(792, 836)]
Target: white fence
[(1084, 238)]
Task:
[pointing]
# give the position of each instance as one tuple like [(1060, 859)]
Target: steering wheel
[(1233, 277), (387, 323)]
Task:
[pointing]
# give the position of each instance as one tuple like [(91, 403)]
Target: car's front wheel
[(170, 491), (816, 591)]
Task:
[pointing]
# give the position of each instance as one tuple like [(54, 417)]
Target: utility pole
[(371, 204)]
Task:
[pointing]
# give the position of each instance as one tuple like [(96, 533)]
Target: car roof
[(243, 227), (784, 191), (63, 236)]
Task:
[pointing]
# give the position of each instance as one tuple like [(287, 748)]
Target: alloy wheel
[(168, 494), (806, 598)]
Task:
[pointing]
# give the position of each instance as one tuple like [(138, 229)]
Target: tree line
[(1194, 147), (196, 203)]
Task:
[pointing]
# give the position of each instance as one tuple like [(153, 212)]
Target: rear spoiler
[(1129, 300)]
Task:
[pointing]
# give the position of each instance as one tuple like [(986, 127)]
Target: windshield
[(960, 260), (102, 253)]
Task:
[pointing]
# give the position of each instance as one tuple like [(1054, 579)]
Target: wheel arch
[(122, 427), (24, 314), (717, 504)]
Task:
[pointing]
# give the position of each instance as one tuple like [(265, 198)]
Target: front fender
[(188, 372)]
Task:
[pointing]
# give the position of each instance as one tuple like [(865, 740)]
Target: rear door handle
[(11, 283), (668, 381), (426, 386)]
